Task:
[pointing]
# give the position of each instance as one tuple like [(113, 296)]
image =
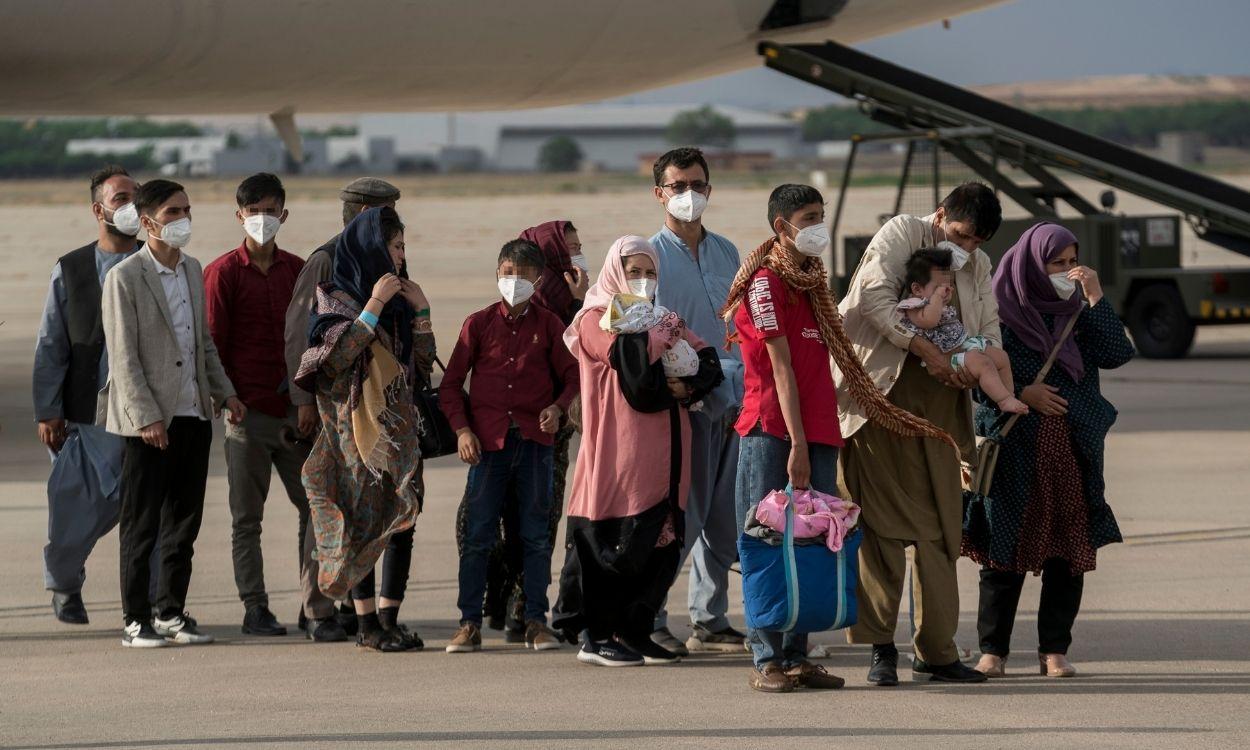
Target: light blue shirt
[(696, 290), (52, 346)]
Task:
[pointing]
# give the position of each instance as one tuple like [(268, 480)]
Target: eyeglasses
[(699, 186)]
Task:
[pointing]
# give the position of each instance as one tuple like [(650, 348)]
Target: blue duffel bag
[(804, 588)]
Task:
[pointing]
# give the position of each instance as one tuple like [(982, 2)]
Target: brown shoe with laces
[(467, 639), (814, 676), (771, 679)]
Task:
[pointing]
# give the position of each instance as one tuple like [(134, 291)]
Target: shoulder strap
[(1049, 363)]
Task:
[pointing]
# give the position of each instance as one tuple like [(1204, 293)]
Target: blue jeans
[(762, 461), (525, 466)]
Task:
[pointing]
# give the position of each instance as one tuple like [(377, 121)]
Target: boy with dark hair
[(247, 292), (923, 508), (165, 382), (71, 366), (524, 379), (790, 331)]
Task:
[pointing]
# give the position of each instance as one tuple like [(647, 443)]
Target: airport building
[(611, 137)]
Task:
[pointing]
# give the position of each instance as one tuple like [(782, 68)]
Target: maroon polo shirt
[(520, 366), (247, 319)]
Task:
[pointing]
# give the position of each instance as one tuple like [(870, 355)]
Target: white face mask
[(811, 241), (515, 289), (261, 227), (959, 256), (126, 220), (1064, 286), (176, 233), (579, 261), (687, 206), (643, 287)]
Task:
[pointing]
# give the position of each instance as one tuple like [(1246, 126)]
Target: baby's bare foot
[(1013, 406)]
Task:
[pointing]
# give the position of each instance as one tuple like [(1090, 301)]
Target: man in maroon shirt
[(524, 379), (247, 292)]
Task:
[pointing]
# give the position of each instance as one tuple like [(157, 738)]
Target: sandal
[(386, 641), (411, 639)]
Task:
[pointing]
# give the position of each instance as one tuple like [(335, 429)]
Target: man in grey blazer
[(165, 381)]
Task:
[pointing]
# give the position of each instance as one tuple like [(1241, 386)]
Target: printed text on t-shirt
[(763, 312)]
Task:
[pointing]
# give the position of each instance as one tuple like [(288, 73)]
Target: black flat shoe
[(302, 621), (325, 631), (386, 641), (69, 608), (956, 671), (260, 621), (347, 620), (884, 669)]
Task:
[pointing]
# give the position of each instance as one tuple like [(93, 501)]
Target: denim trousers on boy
[(524, 466), (762, 461)]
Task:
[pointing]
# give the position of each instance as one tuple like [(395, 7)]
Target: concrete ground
[(1163, 641)]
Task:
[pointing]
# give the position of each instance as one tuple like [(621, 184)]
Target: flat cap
[(369, 190)]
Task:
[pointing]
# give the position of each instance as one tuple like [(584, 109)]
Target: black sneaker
[(884, 669), (141, 635), (702, 639), (181, 629), (69, 608), (260, 621), (956, 671), (514, 635), (653, 654), (327, 630), (609, 653)]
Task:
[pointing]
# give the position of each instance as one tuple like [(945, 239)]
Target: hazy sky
[(1025, 40)]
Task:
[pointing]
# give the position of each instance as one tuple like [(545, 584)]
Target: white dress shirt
[(178, 297)]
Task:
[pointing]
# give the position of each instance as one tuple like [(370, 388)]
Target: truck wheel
[(1161, 327)]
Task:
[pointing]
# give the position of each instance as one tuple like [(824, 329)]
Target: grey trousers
[(253, 451), (711, 522)]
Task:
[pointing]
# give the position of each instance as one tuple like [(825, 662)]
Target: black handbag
[(436, 437)]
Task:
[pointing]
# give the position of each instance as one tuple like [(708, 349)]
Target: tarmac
[(1162, 643)]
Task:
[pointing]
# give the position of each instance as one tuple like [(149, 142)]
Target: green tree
[(701, 127), (560, 154)]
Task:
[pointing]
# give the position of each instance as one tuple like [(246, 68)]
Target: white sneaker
[(181, 629), (141, 635)]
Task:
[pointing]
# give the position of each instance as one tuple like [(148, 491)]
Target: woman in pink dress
[(627, 511)]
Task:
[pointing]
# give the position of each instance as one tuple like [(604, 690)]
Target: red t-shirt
[(771, 308)]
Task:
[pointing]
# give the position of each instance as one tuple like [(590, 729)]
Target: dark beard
[(117, 232)]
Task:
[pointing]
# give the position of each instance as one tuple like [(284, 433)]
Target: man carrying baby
[(910, 490)]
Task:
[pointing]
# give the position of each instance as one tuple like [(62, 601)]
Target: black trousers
[(162, 495), (1060, 602), (396, 564)]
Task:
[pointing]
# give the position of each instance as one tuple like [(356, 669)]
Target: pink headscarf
[(611, 281)]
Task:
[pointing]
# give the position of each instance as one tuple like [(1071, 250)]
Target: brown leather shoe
[(1056, 665), (771, 679), (992, 666), (814, 676)]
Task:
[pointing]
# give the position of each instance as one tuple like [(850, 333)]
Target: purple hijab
[(1023, 291)]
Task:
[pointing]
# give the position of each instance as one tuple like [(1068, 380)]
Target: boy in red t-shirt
[(789, 417)]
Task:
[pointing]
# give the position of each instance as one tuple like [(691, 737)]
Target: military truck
[(1138, 258)]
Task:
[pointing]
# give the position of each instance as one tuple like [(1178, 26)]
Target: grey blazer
[(144, 357)]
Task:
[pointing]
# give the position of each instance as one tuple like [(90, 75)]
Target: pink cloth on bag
[(815, 514)]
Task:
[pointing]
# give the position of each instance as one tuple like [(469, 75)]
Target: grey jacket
[(144, 357)]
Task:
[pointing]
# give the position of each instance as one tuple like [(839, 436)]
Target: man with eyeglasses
[(697, 268)]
